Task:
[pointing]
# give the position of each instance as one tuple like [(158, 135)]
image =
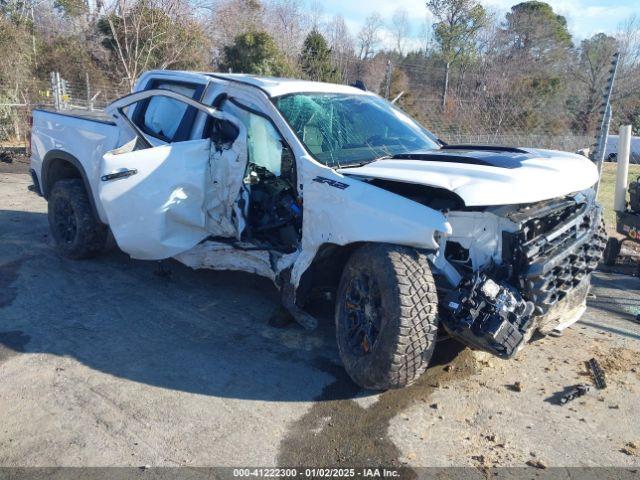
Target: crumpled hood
[(484, 176)]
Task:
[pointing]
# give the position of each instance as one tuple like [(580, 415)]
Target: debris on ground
[(630, 448), (575, 392), (568, 393), (536, 463), (515, 387), (597, 374)]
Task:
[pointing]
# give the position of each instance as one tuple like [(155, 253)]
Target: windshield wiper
[(365, 162)]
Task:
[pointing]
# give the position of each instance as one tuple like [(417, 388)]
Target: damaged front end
[(534, 276), (488, 316)]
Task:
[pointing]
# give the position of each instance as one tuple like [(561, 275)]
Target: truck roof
[(277, 86), (272, 86)]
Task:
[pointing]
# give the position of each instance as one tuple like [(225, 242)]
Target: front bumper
[(542, 284), (552, 267), (565, 312)]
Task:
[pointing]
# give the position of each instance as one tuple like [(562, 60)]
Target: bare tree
[(231, 18), (285, 22), (369, 36), (341, 43), (315, 15), (145, 34), (425, 36), (400, 29), (626, 98)]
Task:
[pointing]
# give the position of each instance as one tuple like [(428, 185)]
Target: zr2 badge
[(333, 183)]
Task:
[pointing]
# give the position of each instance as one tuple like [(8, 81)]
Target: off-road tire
[(611, 251), (83, 235), (408, 320)]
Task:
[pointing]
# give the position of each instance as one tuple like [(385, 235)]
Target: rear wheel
[(75, 229), (386, 316)]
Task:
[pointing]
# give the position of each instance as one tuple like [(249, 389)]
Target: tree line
[(467, 66)]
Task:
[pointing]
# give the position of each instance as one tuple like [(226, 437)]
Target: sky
[(584, 17)]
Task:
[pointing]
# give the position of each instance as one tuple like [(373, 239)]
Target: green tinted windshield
[(342, 129)]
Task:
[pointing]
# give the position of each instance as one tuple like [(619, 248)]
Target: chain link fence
[(54, 93), (461, 122)]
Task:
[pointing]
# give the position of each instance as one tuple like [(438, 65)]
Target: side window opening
[(275, 211), (166, 118)]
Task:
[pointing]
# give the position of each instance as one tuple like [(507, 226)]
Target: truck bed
[(91, 115), (79, 136)]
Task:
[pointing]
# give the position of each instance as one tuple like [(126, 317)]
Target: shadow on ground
[(199, 331)]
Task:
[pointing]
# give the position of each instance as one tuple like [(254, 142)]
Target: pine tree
[(255, 52), (315, 59)]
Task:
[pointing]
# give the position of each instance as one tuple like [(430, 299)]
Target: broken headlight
[(488, 315)]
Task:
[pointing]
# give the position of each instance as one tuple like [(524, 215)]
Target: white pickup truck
[(329, 187)]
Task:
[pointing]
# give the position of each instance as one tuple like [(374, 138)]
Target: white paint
[(622, 169), (550, 174), (283, 86), (481, 234), (182, 192), (223, 256), (157, 212), (359, 213), (83, 139)]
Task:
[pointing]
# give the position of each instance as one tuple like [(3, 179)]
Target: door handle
[(120, 173)]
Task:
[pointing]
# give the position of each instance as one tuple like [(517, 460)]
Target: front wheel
[(386, 316)]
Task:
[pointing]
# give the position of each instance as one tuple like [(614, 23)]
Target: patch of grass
[(607, 188)]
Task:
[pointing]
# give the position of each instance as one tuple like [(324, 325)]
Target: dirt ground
[(104, 362)]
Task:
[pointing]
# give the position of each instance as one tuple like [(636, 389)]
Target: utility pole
[(603, 131)]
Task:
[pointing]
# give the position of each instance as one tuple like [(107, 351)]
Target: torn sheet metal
[(225, 175), (342, 210), (176, 194), (225, 256), (156, 212)]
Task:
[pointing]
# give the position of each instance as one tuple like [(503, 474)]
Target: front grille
[(547, 266)]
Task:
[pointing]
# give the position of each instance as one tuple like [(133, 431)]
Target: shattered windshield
[(347, 129)]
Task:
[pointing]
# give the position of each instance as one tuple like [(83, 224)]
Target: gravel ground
[(103, 362)]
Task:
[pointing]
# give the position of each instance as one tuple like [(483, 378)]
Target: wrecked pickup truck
[(323, 187)]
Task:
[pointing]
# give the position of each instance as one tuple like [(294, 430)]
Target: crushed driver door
[(162, 201)]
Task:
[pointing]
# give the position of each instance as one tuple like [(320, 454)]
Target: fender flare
[(53, 155)]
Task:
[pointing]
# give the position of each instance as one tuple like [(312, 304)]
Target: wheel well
[(60, 165), (58, 169), (326, 269)]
